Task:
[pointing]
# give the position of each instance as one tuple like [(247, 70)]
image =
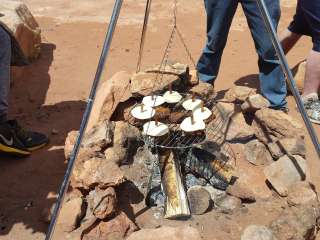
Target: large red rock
[(285, 173), (110, 93), (270, 125), (239, 93), (70, 215), (116, 228), (96, 171), (145, 83), (102, 202)]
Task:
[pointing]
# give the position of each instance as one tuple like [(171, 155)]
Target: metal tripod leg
[(104, 54), (143, 34), (286, 69)]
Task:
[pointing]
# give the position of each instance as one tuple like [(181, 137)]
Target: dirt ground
[(50, 95)]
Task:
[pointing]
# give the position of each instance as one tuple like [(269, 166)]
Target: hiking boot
[(312, 105), (10, 142), (31, 140)]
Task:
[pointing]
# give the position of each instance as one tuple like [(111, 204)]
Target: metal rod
[(143, 34), (100, 68), (286, 69)]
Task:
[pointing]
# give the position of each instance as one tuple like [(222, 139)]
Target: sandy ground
[(50, 96)]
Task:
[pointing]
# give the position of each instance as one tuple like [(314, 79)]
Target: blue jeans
[(219, 17), (5, 62)]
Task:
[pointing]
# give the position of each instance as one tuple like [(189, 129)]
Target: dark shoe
[(31, 140), (10, 142), (283, 109)]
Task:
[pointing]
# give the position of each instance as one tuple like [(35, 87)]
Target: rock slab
[(256, 232), (286, 172)]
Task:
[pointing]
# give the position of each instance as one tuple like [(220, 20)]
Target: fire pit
[(182, 152)]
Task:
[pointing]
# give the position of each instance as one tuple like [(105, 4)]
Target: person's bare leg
[(288, 39), (312, 79)]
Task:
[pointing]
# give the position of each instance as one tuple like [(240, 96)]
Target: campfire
[(174, 146)]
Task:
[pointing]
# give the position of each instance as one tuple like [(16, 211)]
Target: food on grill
[(190, 125), (192, 104), (172, 97), (177, 117), (162, 113), (155, 129), (153, 101), (202, 113), (142, 112)]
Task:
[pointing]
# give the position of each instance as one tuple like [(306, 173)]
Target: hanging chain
[(175, 30)]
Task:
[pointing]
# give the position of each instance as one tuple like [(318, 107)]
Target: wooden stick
[(193, 97), (142, 107), (176, 199), (170, 88), (202, 106), (192, 120)]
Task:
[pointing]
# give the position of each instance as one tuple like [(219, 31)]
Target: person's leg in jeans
[(219, 18), (5, 61), (272, 79), (13, 139)]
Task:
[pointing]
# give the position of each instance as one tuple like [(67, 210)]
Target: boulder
[(226, 109), (124, 133), (237, 128), (254, 103), (109, 94), (215, 194), (251, 181), (228, 204), (102, 202), (116, 154), (71, 213), (199, 200), (165, 233), (115, 228), (96, 171), (256, 232), (291, 146), (286, 172), (203, 89), (239, 93), (100, 135), (297, 223), (256, 153), (232, 126), (16, 18), (145, 83), (270, 125), (302, 193), (242, 191)]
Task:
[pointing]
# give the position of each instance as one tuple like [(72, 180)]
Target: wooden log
[(176, 199), (199, 200)]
